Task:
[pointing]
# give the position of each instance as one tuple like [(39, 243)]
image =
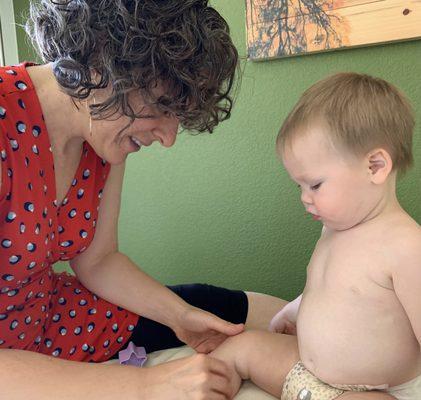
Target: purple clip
[(133, 355)]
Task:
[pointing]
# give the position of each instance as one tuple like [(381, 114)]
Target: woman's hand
[(192, 378), (202, 330)]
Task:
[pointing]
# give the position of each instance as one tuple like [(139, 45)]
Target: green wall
[(26, 52), (219, 208)]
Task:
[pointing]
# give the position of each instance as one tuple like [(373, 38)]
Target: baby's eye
[(315, 187)]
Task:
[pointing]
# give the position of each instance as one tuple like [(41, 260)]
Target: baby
[(358, 321)]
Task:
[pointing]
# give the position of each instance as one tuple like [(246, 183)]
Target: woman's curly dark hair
[(135, 44)]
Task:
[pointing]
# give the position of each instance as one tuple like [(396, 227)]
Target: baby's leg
[(261, 309), (263, 357)]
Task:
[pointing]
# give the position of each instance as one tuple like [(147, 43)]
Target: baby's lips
[(315, 217)]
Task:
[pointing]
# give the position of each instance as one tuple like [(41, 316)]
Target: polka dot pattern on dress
[(41, 310)]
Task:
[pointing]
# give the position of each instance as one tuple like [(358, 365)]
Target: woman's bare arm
[(29, 375)]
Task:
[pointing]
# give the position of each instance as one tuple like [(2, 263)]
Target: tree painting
[(278, 28)]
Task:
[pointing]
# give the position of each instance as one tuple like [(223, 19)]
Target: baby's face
[(335, 187)]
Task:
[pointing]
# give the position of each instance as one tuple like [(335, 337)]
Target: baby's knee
[(245, 342), (245, 347), (236, 350)]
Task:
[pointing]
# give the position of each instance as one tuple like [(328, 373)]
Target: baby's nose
[(306, 197)]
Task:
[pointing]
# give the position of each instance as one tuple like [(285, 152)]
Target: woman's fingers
[(214, 381), (221, 377), (205, 331), (198, 377), (210, 343), (220, 387), (225, 327)]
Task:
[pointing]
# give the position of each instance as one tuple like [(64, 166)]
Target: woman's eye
[(148, 116), (315, 187)]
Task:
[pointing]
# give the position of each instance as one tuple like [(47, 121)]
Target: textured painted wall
[(26, 52), (219, 208)]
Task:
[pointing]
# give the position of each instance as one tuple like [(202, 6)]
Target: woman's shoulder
[(17, 97), (14, 78)]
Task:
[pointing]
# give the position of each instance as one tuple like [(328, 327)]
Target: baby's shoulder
[(404, 240)]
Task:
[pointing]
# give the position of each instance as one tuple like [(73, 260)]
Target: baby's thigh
[(366, 396), (263, 357)]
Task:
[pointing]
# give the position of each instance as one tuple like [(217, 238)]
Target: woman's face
[(154, 126)]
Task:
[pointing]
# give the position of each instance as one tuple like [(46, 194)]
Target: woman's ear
[(379, 165)]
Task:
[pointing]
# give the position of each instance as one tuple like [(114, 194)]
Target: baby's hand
[(280, 323)]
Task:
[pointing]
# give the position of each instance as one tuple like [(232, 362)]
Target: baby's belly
[(353, 344)]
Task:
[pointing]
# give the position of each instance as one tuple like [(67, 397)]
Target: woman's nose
[(167, 132)]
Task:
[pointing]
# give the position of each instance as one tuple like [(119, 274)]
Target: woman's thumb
[(226, 327)]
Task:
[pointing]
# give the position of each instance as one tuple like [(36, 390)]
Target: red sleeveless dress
[(41, 310)]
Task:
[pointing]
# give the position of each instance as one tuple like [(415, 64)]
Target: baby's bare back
[(352, 329)]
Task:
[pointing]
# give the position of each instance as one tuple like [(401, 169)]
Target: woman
[(118, 75)]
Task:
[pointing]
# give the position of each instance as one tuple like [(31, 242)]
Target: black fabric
[(231, 305)]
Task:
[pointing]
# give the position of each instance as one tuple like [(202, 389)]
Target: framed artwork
[(281, 28)]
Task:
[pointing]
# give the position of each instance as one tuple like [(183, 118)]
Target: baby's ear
[(379, 165)]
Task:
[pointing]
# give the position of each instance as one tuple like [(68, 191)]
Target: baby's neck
[(385, 207), (388, 201)]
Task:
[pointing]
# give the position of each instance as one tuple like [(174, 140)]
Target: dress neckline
[(85, 144)]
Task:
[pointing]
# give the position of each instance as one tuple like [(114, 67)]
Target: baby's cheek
[(333, 210), (325, 205)]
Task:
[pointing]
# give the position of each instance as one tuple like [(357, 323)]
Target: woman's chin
[(115, 157), (117, 154)]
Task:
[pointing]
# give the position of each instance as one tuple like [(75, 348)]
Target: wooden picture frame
[(282, 28)]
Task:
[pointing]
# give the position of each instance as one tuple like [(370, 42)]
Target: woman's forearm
[(29, 375), (118, 280)]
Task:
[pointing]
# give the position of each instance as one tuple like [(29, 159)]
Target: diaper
[(407, 391), (301, 384)]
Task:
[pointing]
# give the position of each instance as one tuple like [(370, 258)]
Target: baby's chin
[(340, 226)]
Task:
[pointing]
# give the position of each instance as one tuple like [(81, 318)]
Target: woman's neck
[(67, 124)]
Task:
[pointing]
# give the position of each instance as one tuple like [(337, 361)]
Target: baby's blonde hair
[(361, 113)]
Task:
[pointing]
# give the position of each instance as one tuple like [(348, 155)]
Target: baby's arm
[(407, 282), (285, 320), (263, 357)]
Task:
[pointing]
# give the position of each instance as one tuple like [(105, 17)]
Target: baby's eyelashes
[(315, 187)]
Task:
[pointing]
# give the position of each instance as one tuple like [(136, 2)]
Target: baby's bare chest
[(348, 265), (349, 301)]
